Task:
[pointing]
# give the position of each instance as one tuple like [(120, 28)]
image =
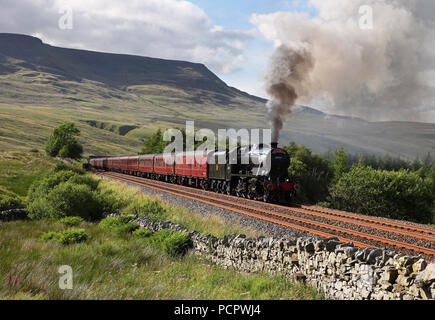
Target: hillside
[(117, 100)]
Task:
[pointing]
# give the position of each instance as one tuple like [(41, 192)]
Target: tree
[(397, 195), (62, 142), (427, 164), (416, 165), (154, 143), (431, 179), (340, 163), (311, 171)]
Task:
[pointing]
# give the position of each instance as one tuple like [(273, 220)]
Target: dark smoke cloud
[(287, 73)]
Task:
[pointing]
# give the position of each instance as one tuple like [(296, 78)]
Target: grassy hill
[(118, 100)]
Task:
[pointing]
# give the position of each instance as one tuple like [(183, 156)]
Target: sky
[(233, 38), (237, 15), (216, 33)]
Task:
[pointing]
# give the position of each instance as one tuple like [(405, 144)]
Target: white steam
[(381, 73)]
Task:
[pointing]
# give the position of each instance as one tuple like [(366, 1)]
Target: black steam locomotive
[(253, 172)]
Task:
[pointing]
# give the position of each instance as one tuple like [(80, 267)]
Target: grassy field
[(121, 266), (113, 267), (18, 170)]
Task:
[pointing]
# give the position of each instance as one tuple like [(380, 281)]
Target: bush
[(8, 203), (85, 180), (150, 209), (71, 221), (73, 150), (312, 172), (65, 237), (397, 195), (67, 199), (71, 236), (40, 189), (323, 204), (120, 225), (176, 244), (170, 242), (62, 166), (111, 200), (34, 150), (48, 236), (66, 193), (143, 233)]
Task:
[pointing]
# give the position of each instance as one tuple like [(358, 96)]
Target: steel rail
[(325, 214), (195, 196)]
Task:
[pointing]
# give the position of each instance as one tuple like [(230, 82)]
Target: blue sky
[(236, 15)]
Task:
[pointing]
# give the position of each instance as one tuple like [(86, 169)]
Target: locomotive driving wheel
[(228, 188)]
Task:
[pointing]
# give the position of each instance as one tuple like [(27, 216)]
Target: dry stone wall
[(13, 215), (340, 270)]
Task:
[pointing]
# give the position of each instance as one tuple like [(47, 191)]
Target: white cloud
[(171, 29), (379, 74)]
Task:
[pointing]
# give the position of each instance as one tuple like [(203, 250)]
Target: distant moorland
[(118, 100)]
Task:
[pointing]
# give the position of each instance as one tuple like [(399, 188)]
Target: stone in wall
[(340, 270), (13, 215)]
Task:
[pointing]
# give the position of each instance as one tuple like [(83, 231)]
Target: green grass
[(122, 265), (18, 170), (214, 225), (107, 266)]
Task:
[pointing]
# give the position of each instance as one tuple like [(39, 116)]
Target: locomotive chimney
[(274, 145)]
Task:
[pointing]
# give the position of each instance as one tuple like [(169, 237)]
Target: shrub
[(120, 225), (73, 150), (66, 193), (71, 221), (71, 236), (65, 237), (34, 150), (86, 180), (397, 195), (40, 189), (50, 235), (8, 203), (176, 244), (143, 233), (324, 204), (62, 166), (67, 199), (150, 209), (124, 229), (312, 172), (111, 200), (170, 242)]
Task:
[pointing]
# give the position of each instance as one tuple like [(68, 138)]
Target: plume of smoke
[(383, 73), (286, 77)]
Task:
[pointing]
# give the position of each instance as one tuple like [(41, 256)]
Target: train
[(257, 172)]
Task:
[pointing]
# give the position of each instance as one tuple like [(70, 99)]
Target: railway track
[(363, 231)]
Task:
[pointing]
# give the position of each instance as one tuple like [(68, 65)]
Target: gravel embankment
[(264, 228)]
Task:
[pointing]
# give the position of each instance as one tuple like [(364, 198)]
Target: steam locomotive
[(258, 172)]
